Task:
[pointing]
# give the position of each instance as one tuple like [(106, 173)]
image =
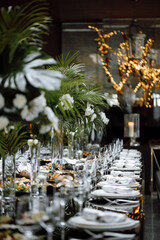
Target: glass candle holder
[(132, 127)]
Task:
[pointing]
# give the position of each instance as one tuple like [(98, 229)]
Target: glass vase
[(132, 127), (34, 170), (8, 185)]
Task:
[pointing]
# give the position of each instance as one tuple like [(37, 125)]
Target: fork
[(121, 201), (108, 235)]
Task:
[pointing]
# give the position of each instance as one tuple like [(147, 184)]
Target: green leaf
[(12, 141), (28, 23)]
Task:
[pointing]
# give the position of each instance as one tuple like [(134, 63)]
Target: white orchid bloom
[(51, 117), (19, 101), (89, 111), (39, 102), (32, 110), (104, 118), (67, 101), (3, 122), (30, 142), (45, 128), (35, 141), (29, 113), (93, 117), (50, 114)]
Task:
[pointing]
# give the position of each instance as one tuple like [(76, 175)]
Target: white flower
[(1, 101), (36, 106), (39, 102), (50, 114), (93, 117), (3, 122), (19, 101), (89, 111), (8, 129), (29, 114), (45, 128), (55, 122), (35, 141), (104, 118), (51, 117), (67, 101), (30, 142)]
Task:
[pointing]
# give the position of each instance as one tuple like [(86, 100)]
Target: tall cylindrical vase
[(8, 185), (34, 170)]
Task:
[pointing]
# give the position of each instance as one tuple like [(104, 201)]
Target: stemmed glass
[(27, 217), (63, 197), (80, 190), (50, 206)]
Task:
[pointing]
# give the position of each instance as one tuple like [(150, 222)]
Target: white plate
[(136, 169), (10, 226), (102, 193), (122, 174), (105, 183), (120, 208), (80, 222)]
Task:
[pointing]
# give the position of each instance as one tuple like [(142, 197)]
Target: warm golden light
[(131, 129), (148, 77)]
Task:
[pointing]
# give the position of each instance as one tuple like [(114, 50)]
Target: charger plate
[(80, 222), (101, 193)]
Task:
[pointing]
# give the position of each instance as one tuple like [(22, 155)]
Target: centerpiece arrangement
[(42, 94), (23, 79)]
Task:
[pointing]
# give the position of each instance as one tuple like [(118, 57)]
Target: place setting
[(97, 220)]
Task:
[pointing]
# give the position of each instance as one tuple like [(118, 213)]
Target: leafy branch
[(27, 23), (12, 141)]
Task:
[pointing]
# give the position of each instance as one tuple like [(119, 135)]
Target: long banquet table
[(109, 204)]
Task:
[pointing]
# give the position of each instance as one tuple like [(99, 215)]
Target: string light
[(148, 76)]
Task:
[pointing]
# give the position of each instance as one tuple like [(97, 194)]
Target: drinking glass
[(27, 216)]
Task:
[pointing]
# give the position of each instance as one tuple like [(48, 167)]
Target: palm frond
[(77, 84), (14, 140), (26, 23)]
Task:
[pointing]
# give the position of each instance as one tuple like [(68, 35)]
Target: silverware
[(121, 201), (110, 235)]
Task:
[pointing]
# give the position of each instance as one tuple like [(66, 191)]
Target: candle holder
[(132, 127)]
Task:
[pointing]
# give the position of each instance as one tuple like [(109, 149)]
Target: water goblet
[(27, 217)]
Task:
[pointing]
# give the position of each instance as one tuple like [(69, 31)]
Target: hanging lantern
[(136, 44), (152, 57)]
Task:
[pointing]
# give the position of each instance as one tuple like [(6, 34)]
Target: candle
[(131, 129)]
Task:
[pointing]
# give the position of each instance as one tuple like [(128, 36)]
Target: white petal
[(45, 128)]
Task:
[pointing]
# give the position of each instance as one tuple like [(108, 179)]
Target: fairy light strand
[(148, 77)]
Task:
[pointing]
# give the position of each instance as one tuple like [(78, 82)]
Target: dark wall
[(149, 124)]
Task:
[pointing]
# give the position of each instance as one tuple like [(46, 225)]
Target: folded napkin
[(69, 161), (122, 174), (119, 180), (24, 166), (117, 189), (98, 215)]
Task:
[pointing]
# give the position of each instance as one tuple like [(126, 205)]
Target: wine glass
[(51, 208), (80, 191), (27, 216)]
